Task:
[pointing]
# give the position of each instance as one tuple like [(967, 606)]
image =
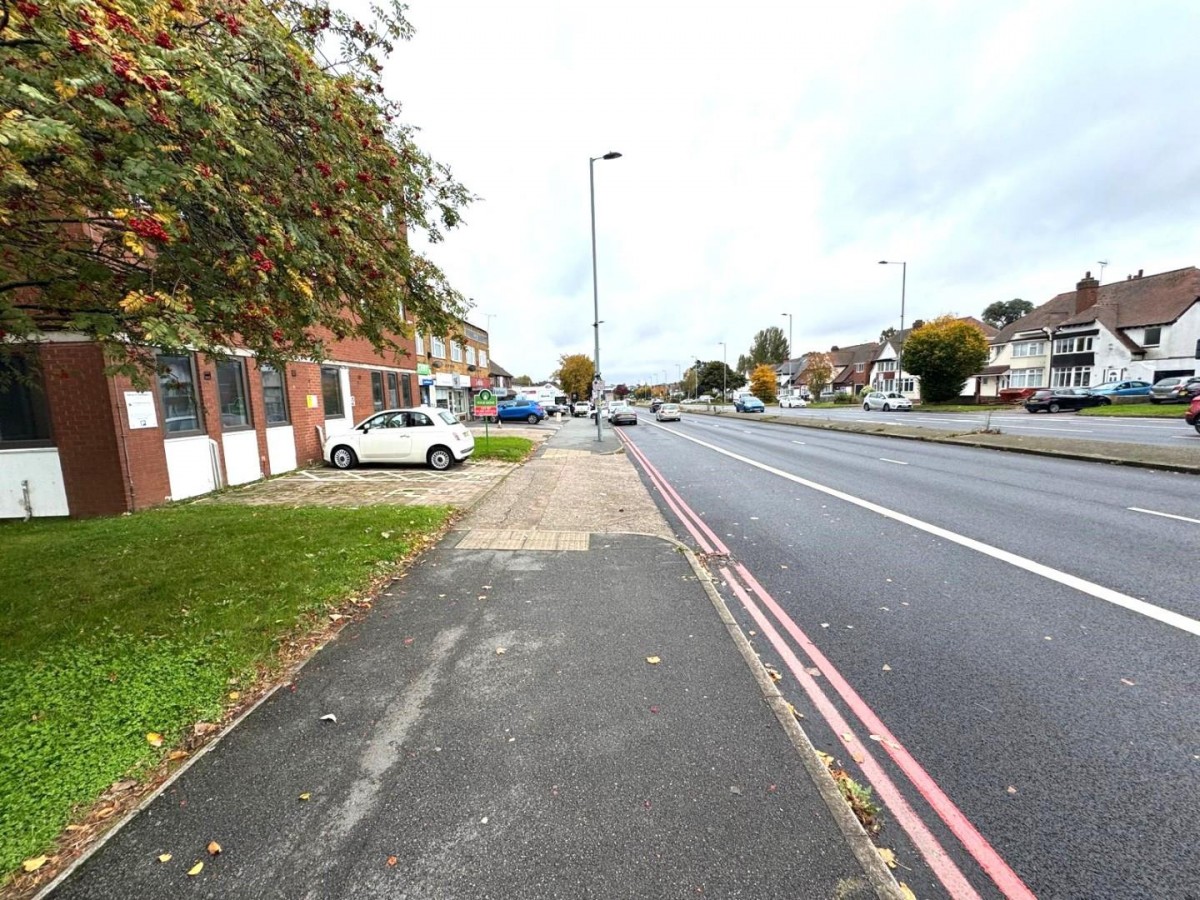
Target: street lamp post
[(900, 337), (789, 318), (724, 374), (597, 380)]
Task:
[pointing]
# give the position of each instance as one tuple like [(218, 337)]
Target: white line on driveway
[(1151, 512), (1133, 604)]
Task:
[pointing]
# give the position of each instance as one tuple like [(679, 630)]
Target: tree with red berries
[(196, 173)]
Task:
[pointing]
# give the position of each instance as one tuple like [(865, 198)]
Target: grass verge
[(113, 629), (506, 449), (1138, 410)]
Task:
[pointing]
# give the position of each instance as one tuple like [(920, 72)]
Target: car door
[(387, 439), (424, 435)]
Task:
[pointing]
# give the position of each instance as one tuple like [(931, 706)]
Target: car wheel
[(532, 419), (440, 459), (1104, 401), (1054, 407), (1155, 402), (887, 407), (866, 407), (343, 458), (1198, 426)]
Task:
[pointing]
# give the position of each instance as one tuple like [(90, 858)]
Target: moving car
[(581, 408), (1192, 416), (748, 403), (887, 401), (667, 412), (655, 404), (1180, 389), (622, 414), (793, 402), (520, 410), (1122, 389), (1058, 399), (419, 435)]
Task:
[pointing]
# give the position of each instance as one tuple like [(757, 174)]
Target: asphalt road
[(1166, 432), (1025, 628)]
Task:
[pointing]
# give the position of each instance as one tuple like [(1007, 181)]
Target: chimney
[(1139, 273), (1086, 292)]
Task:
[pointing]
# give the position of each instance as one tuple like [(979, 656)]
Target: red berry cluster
[(261, 263), (151, 229), (78, 42), (28, 10), (364, 177), (118, 21), (340, 186), (230, 21), (325, 169), (162, 39), (261, 240), (178, 5)]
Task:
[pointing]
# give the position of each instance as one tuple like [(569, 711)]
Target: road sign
[(485, 403)]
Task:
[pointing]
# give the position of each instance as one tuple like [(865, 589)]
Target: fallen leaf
[(886, 667), (1128, 682), (329, 717), (774, 673), (125, 784), (874, 737), (336, 617), (154, 739), (889, 856), (654, 709), (1011, 789), (485, 587), (1047, 638), (385, 534), (196, 869), (857, 757), (847, 737), (407, 641), (34, 863), (825, 758), (483, 596), (202, 728), (500, 651), (483, 821), (177, 754), (305, 796), (235, 695), (813, 671), (824, 624), (391, 860), (166, 857), (214, 848), (653, 660), (906, 892), (735, 790)]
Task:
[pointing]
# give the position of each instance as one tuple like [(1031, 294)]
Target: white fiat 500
[(421, 435)]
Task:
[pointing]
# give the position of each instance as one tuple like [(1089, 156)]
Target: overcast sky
[(775, 152)]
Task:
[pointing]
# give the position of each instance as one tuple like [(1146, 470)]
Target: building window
[(1152, 337), (274, 395), (456, 352), (908, 384), (1072, 345), (1021, 378), (377, 391), (331, 390), (406, 385), (393, 387), (482, 358), (1072, 376), (177, 389), (419, 338), (470, 356), (886, 365), (1029, 348), (231, 391), (437, 347), (24, 419)]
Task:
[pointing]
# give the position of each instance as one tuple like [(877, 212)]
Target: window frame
[(1082, 343), (393, 390), (36, 405), (470, 355), (196, 405), (419, 340), (341, 400), (244, 394), (1157, 331), (378, 399), (1023, 349), (1023, 378), (482, 358), (263, 370), (456, 352), (1071, 376), (437, 347)]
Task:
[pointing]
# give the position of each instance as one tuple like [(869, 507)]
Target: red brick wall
[(304, 379)]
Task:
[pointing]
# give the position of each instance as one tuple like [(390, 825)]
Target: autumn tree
[(763, 384), (1005, 312), (523, 381), (944, 353), (198, 173), (574, 375), (818, 371), (621, 391)]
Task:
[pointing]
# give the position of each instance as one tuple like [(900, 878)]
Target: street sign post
[(485, 408)]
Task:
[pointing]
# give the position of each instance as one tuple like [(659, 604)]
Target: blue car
[(749, 403), (1121, 389), (522, 410)]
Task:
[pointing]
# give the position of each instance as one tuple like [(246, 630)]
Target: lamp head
[(612, 154)]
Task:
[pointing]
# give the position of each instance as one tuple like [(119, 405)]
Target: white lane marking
[(801, 443), (1133, 604), (896, 461), (1052, 428), (1152, 512)]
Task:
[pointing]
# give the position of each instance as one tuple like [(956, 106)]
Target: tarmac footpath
[(532, 711)]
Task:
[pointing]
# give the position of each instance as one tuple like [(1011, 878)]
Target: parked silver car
[(1180, 389), (886, 401)]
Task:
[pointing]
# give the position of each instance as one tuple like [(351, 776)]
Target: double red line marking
[(746, 588)]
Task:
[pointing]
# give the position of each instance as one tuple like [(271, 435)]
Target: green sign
[(485, 398), (423, 369)]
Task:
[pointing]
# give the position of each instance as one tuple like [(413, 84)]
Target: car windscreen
[(447, 417)]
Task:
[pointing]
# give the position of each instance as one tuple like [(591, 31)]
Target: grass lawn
[(1148, 410), (506, 449), (115, 628)]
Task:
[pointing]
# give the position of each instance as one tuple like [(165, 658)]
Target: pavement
[(552, 702)]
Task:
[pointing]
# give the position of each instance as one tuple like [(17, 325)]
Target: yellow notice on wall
[(311, 401)]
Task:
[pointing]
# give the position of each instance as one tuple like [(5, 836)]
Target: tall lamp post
[(724, 374), (900, 338), (597, 380), (789, 318)]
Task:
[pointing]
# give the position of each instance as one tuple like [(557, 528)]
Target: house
[(501, 380), (788, 376), (452, 369), (852, 367), (889, 356), (1145, 327)]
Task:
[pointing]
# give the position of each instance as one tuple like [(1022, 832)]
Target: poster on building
[(140, 407)]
